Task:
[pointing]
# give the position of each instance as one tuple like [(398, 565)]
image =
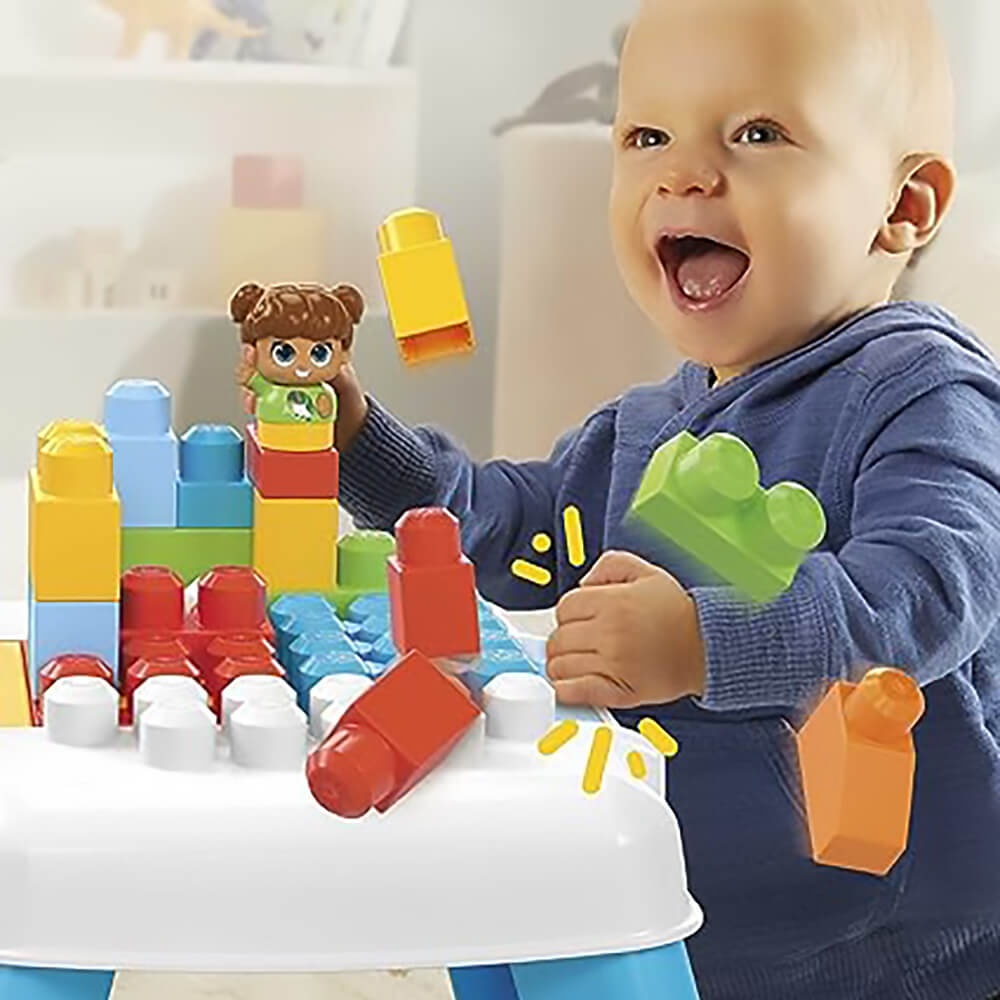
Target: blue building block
[(292, 623), (323, 665), (497, 643), (368, 605), (313, 644), (367, 631), (57, 627), (382, 650), (18, 983), (655, 974), (213, 490), (146, 452), (492, 662), (483, 982)]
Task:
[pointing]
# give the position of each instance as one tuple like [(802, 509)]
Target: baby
[(777, 163)]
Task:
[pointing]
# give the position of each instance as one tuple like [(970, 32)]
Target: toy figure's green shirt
[(291, 404)]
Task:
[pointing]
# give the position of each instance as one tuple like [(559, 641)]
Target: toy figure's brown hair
[(286, 311)]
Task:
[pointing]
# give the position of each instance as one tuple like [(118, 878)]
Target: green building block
[(361, 558), (706, 498), (189, 552)]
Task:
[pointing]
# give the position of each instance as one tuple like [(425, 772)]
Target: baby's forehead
[(827, 58)]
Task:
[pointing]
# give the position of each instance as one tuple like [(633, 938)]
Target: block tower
[(74, 545), (295, 509)]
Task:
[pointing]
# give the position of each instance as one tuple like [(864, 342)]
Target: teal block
[(483, 982), (215, 505), (655, 974), (17, 983), (706, 498), (212, 490), (58, 627), (146, 452)]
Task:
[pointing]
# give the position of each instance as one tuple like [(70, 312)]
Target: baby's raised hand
[(627, 636)]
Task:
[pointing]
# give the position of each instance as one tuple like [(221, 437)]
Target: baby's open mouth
[(702, 272)]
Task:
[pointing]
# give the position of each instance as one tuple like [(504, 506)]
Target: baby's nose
[(681, 179)]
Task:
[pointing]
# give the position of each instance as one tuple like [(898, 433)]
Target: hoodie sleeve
[(916, 585), (391, 468)]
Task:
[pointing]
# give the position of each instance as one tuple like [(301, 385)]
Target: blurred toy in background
[(587, 94), (181, 20), (296, 338), (330, 32)]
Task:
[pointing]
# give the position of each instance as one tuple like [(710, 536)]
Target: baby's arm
[(388, 468), (917, 583)]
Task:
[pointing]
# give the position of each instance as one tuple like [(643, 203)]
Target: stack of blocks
[(74, 545), (106, 499)]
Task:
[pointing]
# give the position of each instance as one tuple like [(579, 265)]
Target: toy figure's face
[(759, 129), (299, 361)]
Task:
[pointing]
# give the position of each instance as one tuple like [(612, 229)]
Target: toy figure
[(296, 339), (181, 20), (589, 93)]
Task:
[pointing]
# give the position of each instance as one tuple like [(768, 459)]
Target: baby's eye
[(321, 355), (283, 354), (646, 138), (760, 133)]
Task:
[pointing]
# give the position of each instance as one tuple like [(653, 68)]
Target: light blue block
[(492, 662), (284, 609), (54, 984), (215, 505), (146, 452), (58, 627), (382, 650), (313, 644), (364, 632), (483, 982), (655, 974), (324, 665), (297, 623), (367, 605), (496, 642)]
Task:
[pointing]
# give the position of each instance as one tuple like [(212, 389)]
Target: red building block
[(142, 647), (154, 666), (432, 587), (390, 738), (70, 665), (239, 666), (234, 644), (231, 601), (296, 475)]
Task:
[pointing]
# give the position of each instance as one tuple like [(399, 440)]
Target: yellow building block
[(422, 285), (59, 427), (295, 543), (74, 520), (15, 698), (295, 437)]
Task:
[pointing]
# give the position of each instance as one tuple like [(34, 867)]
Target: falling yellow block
[(15, 699)]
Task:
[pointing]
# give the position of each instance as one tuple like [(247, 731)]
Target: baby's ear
[(922, 202)]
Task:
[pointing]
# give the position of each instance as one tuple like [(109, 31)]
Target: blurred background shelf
[(104, 107)]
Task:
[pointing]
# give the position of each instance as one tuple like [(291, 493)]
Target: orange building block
[(432, 587), (858, 761)]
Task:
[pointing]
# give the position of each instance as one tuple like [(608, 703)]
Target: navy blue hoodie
[(893, 420)]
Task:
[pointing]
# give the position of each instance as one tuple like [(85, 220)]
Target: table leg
[(483, 982), (655, 974), (19, 983)]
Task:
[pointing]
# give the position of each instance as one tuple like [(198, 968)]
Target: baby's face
[(750, 179)]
